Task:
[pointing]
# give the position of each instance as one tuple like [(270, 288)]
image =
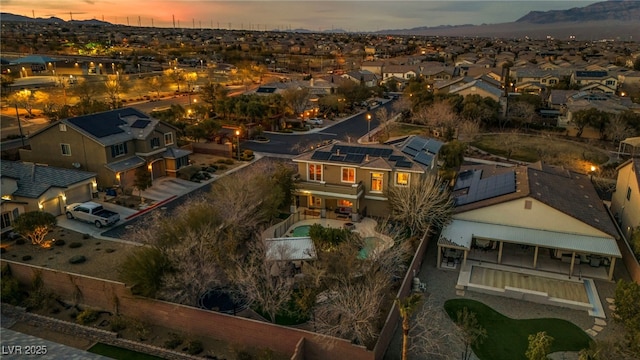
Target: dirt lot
[(103, 257)]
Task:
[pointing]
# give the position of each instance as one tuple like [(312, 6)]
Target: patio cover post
[(464, 261), (573, 261), (500, 253), (612, 267), (535, 257), (439, 256)]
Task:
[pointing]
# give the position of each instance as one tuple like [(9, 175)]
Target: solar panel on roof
[(354, 158), (487, 188), (424, 159), (404, 164), (396, 157), (337, 158), (410, 152), (321, 155), (140, 124)]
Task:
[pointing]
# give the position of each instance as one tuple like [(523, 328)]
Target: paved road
[(350, 129)]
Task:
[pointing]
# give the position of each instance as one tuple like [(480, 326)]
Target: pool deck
[(531, 285), (366, 227)]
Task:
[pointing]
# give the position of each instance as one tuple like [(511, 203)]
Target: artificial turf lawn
[(115, 352), (507, 339)]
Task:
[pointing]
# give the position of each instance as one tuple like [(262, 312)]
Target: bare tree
[(155, 84), (432, 333), (87, 90), (114, 86), (471, 332), (421, 204), (402, 105), (194, 267), (440, 115), (296, 99), (383, 117), (350, 310), (618, 128), (262, 279), (27, 99), (523, 112), (509, 142), (468, 130)]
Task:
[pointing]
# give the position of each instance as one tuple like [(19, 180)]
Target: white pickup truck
[(92, 212)]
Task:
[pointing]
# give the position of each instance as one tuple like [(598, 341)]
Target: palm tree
[(407, 307)]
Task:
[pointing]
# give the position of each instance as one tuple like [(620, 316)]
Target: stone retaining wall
[(91, 333)]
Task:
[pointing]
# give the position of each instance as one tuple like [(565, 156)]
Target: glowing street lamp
[(238, 136), (369, 127)]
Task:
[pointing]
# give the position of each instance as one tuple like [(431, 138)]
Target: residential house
[(479, 87), (505, 210), (625, 202), (366, 78), (585, 78), (36, 187), (353, 179), (112, 144)]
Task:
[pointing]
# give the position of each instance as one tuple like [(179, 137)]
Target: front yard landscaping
[(508, 338)]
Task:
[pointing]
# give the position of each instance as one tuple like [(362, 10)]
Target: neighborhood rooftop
[(34, 179)]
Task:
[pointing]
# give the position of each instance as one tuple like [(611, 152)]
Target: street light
[(369, 127), (238, 136)]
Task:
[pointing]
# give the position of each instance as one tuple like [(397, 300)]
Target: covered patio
[(487, 242)]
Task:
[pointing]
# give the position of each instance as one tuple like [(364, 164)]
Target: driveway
[(89, 228)]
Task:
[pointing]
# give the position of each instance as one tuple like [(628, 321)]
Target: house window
[(118, 149), (155, 143), (168, 138), (402, 179), (345, 203), (376, 182), (315, 201), (628, 193), (610, 82), (6, 220), (182, 162), (315, 172), (349, 175), (62, 127), (552, 82), (66, 149)]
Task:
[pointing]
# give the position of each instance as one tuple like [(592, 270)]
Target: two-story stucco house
[(112, 144), (352, 179), (625, 202)]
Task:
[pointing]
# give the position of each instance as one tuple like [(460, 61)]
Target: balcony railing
[(312, 186)]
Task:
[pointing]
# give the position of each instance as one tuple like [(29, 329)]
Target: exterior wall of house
[(539, 216), (89, 154), (477, 91), (10, 212), (375, 202), (627, 211), (47, 145)]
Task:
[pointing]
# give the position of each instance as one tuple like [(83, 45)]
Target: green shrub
[(117, 323), (87, 317), (11, 293), (174, 341), (195, 347), (226, 161), (59, 242), (26, 258), (75, 245)]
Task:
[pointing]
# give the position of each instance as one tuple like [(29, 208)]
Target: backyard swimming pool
[(301, 231), (370, 244)]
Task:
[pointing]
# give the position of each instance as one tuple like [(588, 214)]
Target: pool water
[(301, 231), (370, 244)]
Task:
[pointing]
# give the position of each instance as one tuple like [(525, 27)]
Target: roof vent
[(337, 151), (366, 157)]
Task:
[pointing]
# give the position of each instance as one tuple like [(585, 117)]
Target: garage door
[(158, 169), (78, 194), (52, 206)]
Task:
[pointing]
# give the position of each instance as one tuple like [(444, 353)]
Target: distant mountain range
[(613, 19), (8, 17)]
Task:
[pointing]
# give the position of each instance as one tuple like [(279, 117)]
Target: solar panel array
[(357, 154), (482, 189), (140, 124), (591, 73), (422, 150), (105, 123)]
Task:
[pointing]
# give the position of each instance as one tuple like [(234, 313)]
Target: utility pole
[(19, 125)]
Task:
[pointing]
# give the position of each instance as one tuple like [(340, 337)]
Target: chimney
[(366, 157), (337, 151), (311, 82)]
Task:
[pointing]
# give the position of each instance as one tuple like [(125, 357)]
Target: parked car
[(314, 121), (93, 213)]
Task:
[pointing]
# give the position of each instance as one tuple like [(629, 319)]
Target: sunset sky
[(317, 15)]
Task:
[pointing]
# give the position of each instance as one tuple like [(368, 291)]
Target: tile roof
[(34, 179), (559, 188)]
